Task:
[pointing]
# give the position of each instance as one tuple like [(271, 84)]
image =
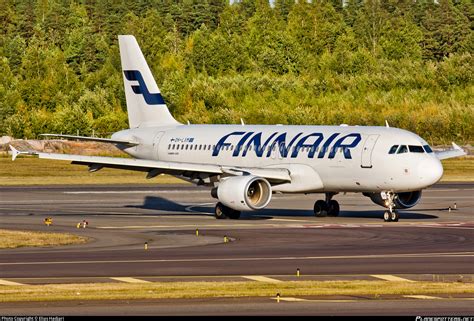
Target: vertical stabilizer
[(145, 105)]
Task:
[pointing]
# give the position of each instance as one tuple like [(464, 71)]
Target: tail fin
[(145, 105)]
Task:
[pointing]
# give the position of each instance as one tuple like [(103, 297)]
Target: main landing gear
[(222, 212), (391, 215), (329, 207)]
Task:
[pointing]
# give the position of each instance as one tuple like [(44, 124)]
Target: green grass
[(14, 239), (177, 290), (458, 169)]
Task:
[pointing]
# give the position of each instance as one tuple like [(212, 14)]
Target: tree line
[(293, 62)]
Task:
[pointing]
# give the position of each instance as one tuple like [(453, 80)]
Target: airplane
[(246, 164)]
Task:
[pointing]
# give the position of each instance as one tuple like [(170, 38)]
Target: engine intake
[(244, 193), (402, 200)]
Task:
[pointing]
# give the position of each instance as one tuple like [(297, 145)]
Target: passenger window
[(393, 149), (416, 149), (428, 149), (402, 149)]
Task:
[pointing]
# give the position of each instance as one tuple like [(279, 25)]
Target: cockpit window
[(393, 149), (402, 149), (416, 149), (427, 149)]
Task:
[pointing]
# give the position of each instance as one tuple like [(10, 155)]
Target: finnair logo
[(142, 89), (315, 143)]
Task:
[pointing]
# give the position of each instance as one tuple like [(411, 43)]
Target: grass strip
[(15, 239), (184, 290), (458, 169)]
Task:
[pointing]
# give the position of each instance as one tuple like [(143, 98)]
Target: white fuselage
[(319, 158)]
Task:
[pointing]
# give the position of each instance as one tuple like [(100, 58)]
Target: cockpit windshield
[(427, 148), (393, 149), (416, 149), (401, 149)]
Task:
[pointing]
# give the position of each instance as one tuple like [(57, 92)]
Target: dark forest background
[(408, 62)]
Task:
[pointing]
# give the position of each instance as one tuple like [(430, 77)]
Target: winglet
[(15, 152), (455, 146)]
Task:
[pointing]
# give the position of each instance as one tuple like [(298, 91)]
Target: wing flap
[(93, 139), (274, 175), (133, 163)]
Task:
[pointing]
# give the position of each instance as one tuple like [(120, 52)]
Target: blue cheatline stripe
[(142, 89)]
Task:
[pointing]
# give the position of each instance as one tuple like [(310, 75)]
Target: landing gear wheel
[(394, 216), (220, 211), (320, 208), (234, 215), (387, 216), (333, 208)]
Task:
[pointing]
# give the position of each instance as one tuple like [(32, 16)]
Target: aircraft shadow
[(346, 214), (162, 204)]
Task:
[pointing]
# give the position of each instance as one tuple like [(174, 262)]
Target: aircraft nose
[(430, 171)]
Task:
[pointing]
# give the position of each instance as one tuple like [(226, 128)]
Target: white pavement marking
[(290, 299), (190, 208), (129, 280), (5, 282), (422, 297), (261, 278), (169, 226), (139, 192), (388, 277), (375, 256)]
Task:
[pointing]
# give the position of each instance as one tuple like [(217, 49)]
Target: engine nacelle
[(244, 193), (402, 200)]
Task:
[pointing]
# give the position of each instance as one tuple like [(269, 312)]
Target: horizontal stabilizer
[(93, 139), (456, 151)]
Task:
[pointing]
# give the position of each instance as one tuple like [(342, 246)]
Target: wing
[(191, 170), (93, 139), (456, 151)]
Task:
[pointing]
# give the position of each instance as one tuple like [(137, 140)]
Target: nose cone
[(430, 171)]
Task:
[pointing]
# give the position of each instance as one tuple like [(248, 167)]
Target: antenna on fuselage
[(386, 124), (242, 122)]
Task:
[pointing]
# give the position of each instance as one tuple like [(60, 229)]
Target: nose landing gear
[(329, 207), (391, 215)]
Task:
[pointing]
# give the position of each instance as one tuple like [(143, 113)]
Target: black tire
[(387, 216), (320, 208), (333, 208), (394, 216), (233, 214), (220, 211)]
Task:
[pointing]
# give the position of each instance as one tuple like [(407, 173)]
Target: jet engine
[(402, 200), (244, 193)]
